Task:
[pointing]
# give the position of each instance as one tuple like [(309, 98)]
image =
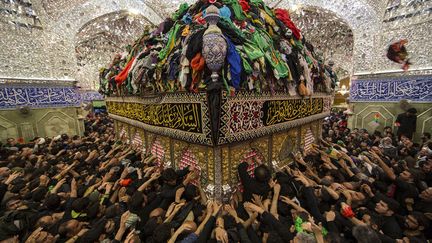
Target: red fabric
[(125, 182), (245, 5), (348, 212), (200, 19), (284, 16), (121, 77), (391, 191), (197, 64)]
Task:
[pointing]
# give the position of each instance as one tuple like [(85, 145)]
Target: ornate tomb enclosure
[(176, 128)]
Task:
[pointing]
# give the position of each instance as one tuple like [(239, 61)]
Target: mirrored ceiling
[(98, 40)]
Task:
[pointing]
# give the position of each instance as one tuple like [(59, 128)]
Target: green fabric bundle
[(182, 10), (238, 11)]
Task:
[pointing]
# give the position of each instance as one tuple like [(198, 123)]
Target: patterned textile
[(309, 140), (158, 150), (137, 140)]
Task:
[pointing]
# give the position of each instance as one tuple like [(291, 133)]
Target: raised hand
[(148, 171), (124, 219), (330, 216), (366, 188), (252, 207), (257, 200), (272, 183), (209, 207), (277, 188), (73, 184), (44, 180), (12, 177), (155, 176), (303, 180), (216, 208), (58, 185), (34, 236), (178, 206), (221, 235), (230, 210)]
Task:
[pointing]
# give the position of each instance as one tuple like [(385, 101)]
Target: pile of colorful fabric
[(265, 51)]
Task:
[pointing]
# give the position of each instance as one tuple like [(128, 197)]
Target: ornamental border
[(163, 98), (165, 131), (260, 132), (263, 131), (383, 98), (265, 96), (67, 91), (203, 138)]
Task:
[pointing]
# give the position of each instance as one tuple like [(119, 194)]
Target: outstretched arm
[(389, 172)]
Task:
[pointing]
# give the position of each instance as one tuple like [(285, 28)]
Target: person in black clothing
[(257, 185), (407, 123)]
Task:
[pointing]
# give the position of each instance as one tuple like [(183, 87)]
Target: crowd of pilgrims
[(352, 186)]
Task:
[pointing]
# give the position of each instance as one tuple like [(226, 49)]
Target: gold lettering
[(185, 117), (279, 111)]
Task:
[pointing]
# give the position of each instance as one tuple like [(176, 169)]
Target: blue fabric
[(187, 18), (234, 60), (192, 237), (225, 12)]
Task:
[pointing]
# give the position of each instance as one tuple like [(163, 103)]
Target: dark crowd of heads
[(350, 186)]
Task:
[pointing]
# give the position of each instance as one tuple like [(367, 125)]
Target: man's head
[(80, 205), (157, 213), (386, 207), (71, 228), (262, 173), (162, 233), (411, 112), (364, 146), (11, 141), (14, 204), (364, 234), (406, 176), (426, 195), (45, 221), (44, 236), (52, 201), (357, 196), (136, 202), (388, 129), (304, 238), (169, 176), (426, 166), (416, 221), (425, 136), (4, 171)]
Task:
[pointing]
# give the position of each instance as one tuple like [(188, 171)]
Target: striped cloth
[(158, 151), (137, 140), (123, 135), (309, 140)]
